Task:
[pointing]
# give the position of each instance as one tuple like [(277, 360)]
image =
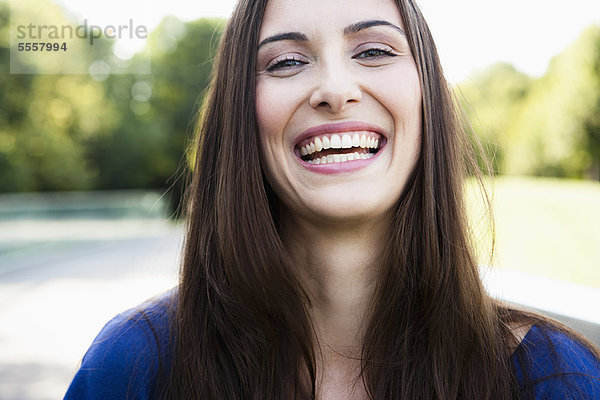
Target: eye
[(286, 63), (374, 53)]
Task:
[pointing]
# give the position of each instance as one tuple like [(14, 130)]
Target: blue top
[(126, 357)]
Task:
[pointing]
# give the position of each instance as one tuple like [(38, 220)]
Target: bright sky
[(470, 34)]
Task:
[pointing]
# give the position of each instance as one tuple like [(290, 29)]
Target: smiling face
[(338, 103)]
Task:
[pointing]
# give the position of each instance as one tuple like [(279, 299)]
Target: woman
[(327, 253)]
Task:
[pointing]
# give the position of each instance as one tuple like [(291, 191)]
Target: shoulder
[(553, 364), (128, 354)]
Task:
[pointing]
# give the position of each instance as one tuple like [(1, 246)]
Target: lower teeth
[(340, 158)]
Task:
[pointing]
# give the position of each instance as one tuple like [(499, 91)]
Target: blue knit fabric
[(130, 352), (556, 367), (126, 357)]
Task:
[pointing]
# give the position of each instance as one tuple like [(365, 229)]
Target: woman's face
[(338, 103)]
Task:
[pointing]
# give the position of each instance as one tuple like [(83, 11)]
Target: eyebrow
[(359, 26), (295, 36), (350, 29)]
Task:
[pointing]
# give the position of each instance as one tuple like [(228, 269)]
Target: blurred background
[(93, 165)]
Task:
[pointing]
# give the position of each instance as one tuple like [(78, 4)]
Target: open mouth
[(339, 148)]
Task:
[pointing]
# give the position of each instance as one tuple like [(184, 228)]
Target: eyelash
[(287, 62), (382, 53)]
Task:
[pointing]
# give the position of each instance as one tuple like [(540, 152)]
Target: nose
[(336, 89)]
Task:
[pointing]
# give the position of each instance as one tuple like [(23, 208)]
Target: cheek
[(398, 90), (400, 93), (405, 94), (272, 117), (405, 104), (271, 112)]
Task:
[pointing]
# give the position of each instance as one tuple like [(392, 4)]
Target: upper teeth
[(340, 141)]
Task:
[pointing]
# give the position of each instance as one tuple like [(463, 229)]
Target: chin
[(350, 206)]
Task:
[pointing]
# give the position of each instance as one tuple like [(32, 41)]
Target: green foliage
[(545, 127), (157, 111), (42, 121), (553, 121), (74, 132), (491, 99)]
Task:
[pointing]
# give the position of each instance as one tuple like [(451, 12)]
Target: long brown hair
[(242, 327)]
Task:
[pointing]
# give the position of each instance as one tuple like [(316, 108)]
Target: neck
[(337, 265)]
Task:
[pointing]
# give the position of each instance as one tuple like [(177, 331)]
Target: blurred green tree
[(103, 130), (491, 98), (46, 119), (553, 135), (548, 126), (147, 147)]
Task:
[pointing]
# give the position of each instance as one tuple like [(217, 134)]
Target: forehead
[(325, 15)]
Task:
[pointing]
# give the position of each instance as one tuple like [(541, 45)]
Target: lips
[(339, 143)]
